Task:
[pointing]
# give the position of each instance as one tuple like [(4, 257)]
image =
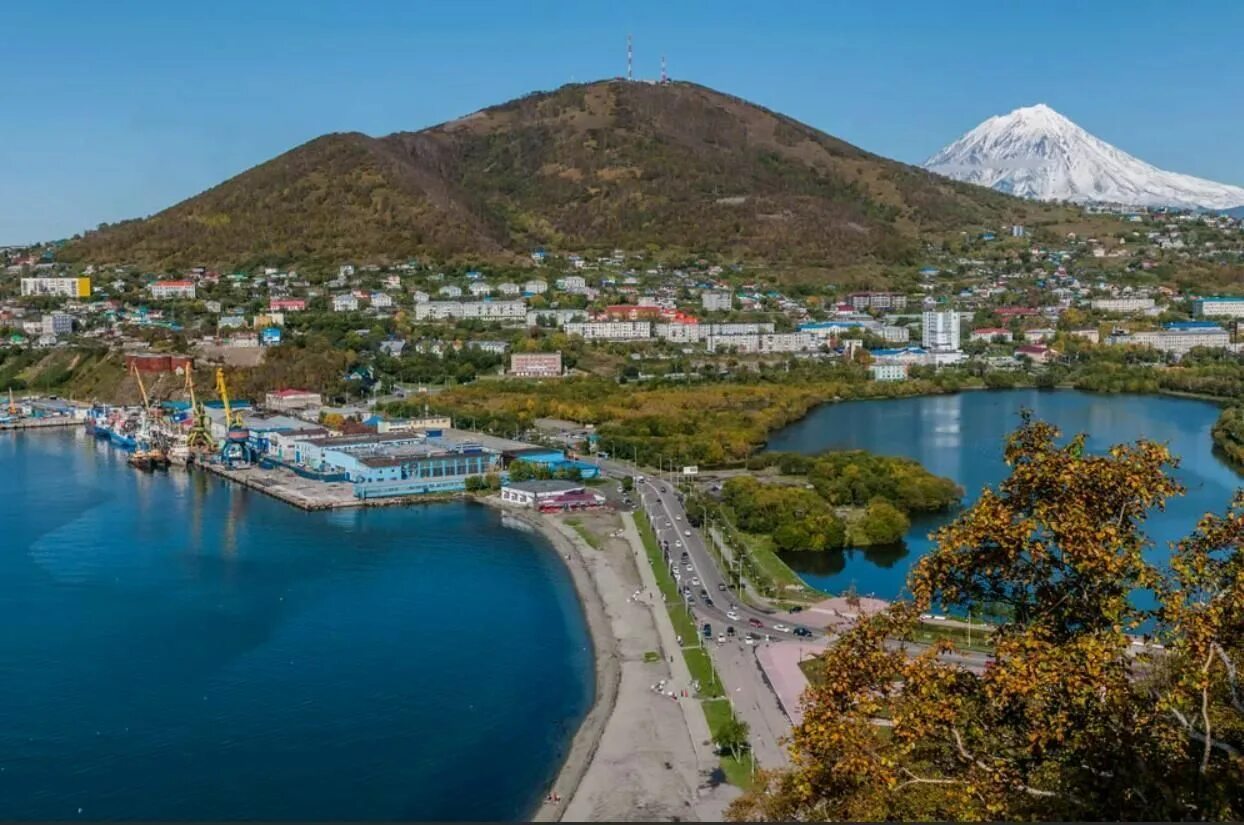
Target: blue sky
[(119, 109)]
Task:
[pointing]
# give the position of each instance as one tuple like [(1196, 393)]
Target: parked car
[(686, 532), (796, 609), (708, 631), (721, 638), (755, 623), (721, 586), (781, 628)]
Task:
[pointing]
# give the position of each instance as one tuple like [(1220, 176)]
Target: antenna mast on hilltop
[(665, 78), (630, 55)]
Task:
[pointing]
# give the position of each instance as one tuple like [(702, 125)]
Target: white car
[(781, 628), (688, 568), (721, 638), (677, 543), (732, 616), (677, 576), (677, 517), (669, 524), (749, 640), (686, 532), (695, 581)]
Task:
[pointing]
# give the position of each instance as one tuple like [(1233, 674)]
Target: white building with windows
[(611, 330), (888, 372), (1122, 305), (346, 302), (941, 331), (486, 310), (717, 300), (162, 290), (1219, 307)]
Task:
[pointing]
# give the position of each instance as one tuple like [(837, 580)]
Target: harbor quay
[(294, 458)]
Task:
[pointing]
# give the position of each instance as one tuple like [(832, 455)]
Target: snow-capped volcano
[(1035, 152)]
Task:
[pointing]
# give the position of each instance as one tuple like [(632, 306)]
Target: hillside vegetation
[(675, 167)]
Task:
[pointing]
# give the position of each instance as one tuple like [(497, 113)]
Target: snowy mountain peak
[(1036, 152)]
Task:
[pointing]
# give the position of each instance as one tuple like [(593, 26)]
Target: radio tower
[(630, 55), (665, 78)]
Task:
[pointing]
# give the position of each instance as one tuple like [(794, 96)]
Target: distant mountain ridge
[(588, 166), (1035, 152)]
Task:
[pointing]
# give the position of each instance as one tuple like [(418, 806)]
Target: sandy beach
[(633, 757)]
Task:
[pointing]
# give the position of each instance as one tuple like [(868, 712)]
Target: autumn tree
[(1069, 718)]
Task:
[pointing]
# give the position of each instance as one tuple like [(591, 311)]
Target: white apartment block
[(345, 303), (64, 287), (763, 343), (559, 317), (1219, 307), (717, 300), (611, 330), (894, 334), (1121, 304), (57, 323), (941, 331), (694, 333), (888, 372), (487, 310), (1178, 341), (161, 290)]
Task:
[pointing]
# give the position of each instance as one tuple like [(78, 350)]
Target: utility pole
[(630, 55)]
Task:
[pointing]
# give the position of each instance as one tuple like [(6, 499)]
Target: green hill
[(586, 167)]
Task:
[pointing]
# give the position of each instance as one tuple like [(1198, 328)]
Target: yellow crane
[(231, 419), (141, 388), (200, 436)]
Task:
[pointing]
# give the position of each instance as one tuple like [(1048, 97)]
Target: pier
[(39, 423), (291, 488)]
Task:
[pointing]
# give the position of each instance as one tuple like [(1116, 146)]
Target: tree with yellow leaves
[(1069, 719)]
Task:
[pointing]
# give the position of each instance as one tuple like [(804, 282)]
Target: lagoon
[(961, 436), (176, 647)]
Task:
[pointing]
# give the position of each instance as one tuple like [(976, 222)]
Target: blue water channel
[(961, 436), (175, 647)]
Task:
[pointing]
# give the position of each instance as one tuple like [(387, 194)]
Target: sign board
[(690, 471)]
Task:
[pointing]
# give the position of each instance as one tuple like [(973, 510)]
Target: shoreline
[(607, 666)]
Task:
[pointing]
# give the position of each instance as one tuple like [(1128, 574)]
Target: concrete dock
[(308, 494), (40, 423)]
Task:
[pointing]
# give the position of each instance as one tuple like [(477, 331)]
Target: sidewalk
[(697, 724)]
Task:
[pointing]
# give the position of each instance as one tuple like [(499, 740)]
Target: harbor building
[(531, 493)]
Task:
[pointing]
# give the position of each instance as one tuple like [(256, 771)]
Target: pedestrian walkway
[(697, 724)]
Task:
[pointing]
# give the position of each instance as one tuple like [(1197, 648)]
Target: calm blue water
[(960, 436), (173, 647)]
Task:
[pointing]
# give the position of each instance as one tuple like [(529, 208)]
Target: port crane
[(236, 447), (199, 439)]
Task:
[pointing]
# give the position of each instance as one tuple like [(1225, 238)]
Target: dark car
[(708, 631), (730, 630), (802, 631), (755, 623), (796, 609), (708, 602)]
